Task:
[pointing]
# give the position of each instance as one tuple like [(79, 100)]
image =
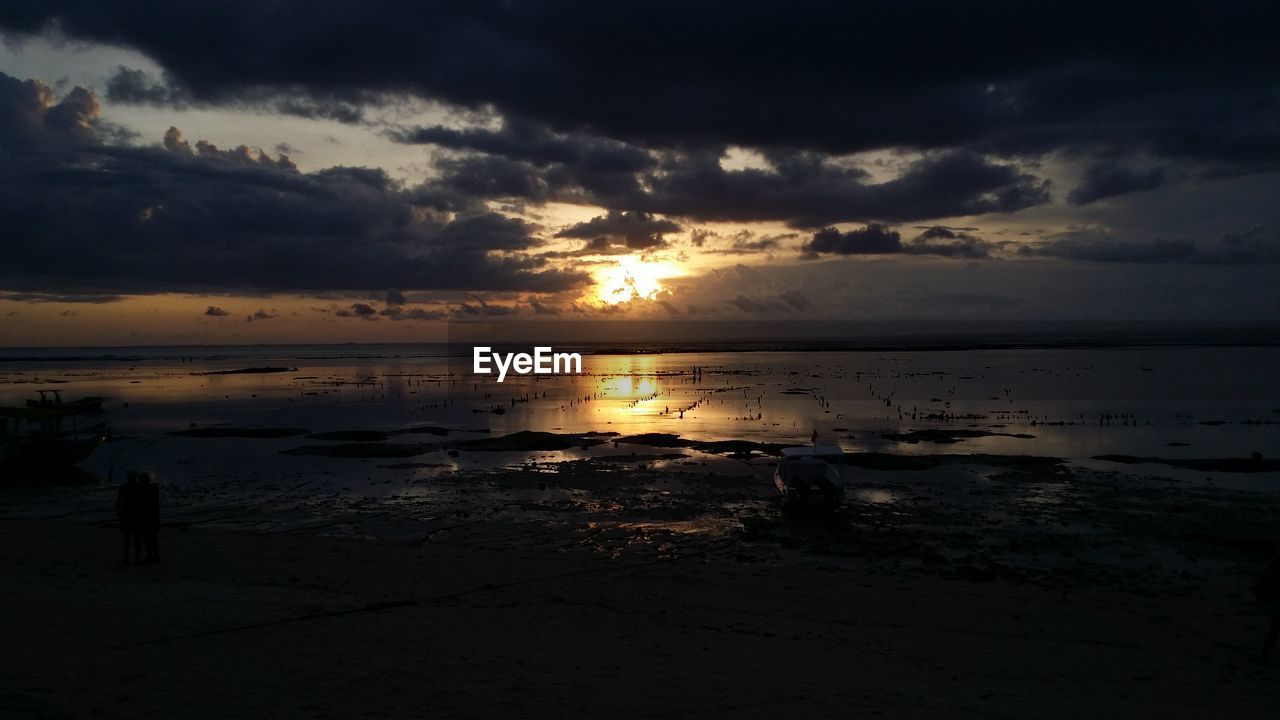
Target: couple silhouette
[(138, 509)]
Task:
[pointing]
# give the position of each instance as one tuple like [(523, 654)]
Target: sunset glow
[(633, 278)]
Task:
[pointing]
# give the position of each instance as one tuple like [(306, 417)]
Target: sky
[(248, 172)]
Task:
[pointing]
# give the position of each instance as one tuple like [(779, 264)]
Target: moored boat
[(33, 439), (811, 476)]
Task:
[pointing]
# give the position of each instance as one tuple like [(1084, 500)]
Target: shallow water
[(1177, 402), (1075, 404)]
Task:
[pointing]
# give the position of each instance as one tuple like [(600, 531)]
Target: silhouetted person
[(1268, 592), (128, 510), (149, 516)]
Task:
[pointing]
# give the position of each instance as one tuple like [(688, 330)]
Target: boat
[(811, 476), (52, 399), (34, 439)]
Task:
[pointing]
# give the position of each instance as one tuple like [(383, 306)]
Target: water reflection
[(1072, 403)]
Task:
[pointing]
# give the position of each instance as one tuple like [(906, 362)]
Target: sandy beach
[(294, 625)]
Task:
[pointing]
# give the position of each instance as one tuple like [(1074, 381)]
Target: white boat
[(811, 476)]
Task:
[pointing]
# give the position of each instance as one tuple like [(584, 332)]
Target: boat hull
[(810, 492), (45, 454)]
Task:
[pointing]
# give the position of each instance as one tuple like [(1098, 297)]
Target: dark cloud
[(137, 87), (260, 314), (639, 108), (360, 310), (1106, 179), (31, 120), (743, 242), (484, 177), (873, 239), (876, 239), (801, 73), (699, 236), (215, 311), (634, 230), (949, 242), (81, 217), (484, 309), (800, 189), (536, 144), (396, 312), (755, 306), (540, 308), (129, 85)]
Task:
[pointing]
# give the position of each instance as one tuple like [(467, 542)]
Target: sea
[(1070, 391), (1045, 429)]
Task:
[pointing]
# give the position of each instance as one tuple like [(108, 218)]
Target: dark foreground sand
[(711, 635)]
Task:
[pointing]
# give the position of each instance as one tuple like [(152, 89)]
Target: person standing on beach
[(127, 512), (1268, 592), (149, 516)]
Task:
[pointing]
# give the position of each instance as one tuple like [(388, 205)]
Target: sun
[(633, 279)]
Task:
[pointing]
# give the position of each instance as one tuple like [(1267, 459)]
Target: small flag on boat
[(814, 439)]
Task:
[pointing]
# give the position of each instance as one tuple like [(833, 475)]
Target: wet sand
[(296, 625)]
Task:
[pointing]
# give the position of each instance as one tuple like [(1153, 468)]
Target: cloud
[(242, 154), (540, 308), (646, 110), (712, 80), (215, 311), (634, 230), (30, 119), (877, 239), (800, 189), (360, 310), (949, 242), (130, 86), (484, 309), (874, 239), (1258, 245), (78, 216), (521, 140), (260, 314), (397, 312), (743, 242), (1104, 180)]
